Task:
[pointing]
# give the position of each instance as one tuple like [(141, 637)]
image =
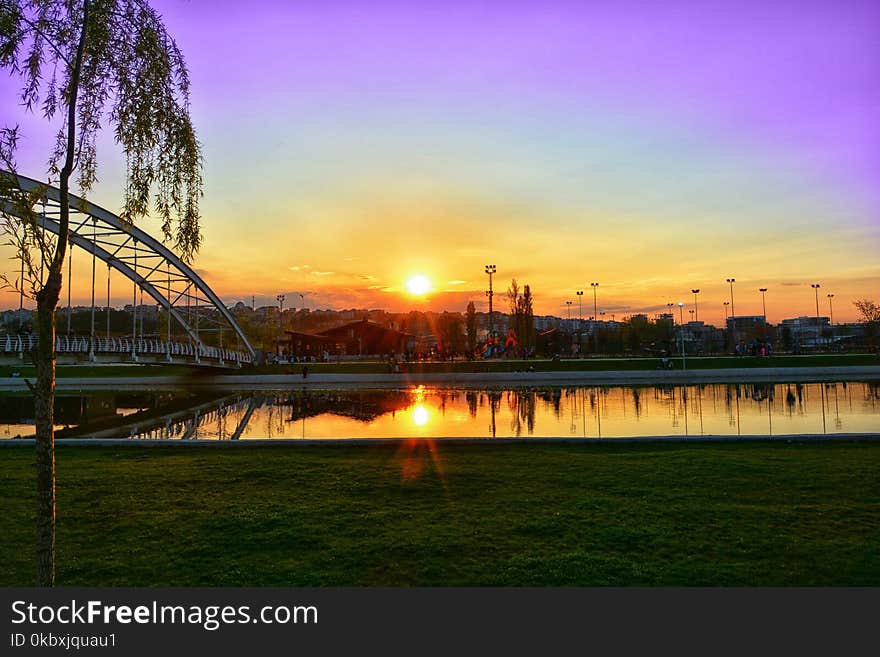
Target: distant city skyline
[(652, 147), (354, 313)]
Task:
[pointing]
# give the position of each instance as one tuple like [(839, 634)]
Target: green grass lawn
[(373, 367), (638, 514)]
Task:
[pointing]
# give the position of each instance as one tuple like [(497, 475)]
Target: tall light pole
[(726, 304), (731, 281), (490, 269), (763, 291), (568, 305), (580, 296), (696, 314), (831, 309), (816, 287), (280, 299), (595, 287), (681, 333)]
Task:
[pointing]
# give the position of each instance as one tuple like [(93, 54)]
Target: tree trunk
[(44, 403)]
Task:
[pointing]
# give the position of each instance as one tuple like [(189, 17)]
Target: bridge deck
[(17, 349)]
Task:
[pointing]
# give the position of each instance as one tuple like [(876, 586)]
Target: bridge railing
[(126, 348)]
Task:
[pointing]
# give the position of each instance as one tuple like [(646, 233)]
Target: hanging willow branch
[(133, 77)]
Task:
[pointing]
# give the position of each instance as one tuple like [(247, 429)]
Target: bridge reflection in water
[(420, 412)]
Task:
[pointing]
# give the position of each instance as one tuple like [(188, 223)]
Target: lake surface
[(435, 412)]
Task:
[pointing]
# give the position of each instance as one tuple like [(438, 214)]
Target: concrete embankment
[(468, 379), (457, 440)]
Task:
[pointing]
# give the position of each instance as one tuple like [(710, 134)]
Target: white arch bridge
[(188, 302)]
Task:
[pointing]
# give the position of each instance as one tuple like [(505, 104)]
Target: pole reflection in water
[(424, 412), (583, 394), (837, 423), (700, 406), (684, 402), (737, 411)]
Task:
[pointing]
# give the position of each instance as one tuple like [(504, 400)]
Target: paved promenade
[(472, 379)]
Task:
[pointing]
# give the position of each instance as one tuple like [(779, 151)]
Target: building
[(365, 338), (745, 328), (304, 345), (807, 331)]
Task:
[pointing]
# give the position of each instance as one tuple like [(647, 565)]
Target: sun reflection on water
[(420, 415)]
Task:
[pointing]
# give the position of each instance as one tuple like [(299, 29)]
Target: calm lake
[(435, 412)]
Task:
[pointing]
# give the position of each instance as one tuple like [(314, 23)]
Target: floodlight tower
[(490, 269)]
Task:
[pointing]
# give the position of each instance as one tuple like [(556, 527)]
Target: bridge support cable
[(92, 330), (69, 286), (108, 302)]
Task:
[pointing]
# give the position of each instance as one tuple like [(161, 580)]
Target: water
[(435, 412)]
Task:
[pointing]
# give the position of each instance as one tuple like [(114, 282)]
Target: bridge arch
[(150, 265)]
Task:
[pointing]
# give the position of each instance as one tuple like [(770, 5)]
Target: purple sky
[(700, 130)]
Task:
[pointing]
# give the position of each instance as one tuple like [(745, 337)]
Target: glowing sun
[(418, 285)]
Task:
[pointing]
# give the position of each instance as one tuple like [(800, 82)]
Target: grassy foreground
[(639, 514)]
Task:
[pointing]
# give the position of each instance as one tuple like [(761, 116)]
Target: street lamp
[(763, 291), (580, 296), (681, 333), (831, 309), (696, 314), (726, 303), (280, 299), (731, 281), (595, 287), (568, 304), (816, 287), (490, 269)]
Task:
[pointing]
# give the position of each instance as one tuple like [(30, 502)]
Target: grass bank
[(669, 514)]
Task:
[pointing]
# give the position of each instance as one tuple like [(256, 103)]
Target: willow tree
[(84, 64)]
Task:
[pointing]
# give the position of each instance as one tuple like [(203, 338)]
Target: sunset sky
[(652, 147)]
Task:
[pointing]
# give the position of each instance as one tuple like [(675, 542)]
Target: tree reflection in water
[(424, 413)]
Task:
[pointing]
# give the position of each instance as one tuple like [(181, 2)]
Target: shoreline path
[(465, 380)]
